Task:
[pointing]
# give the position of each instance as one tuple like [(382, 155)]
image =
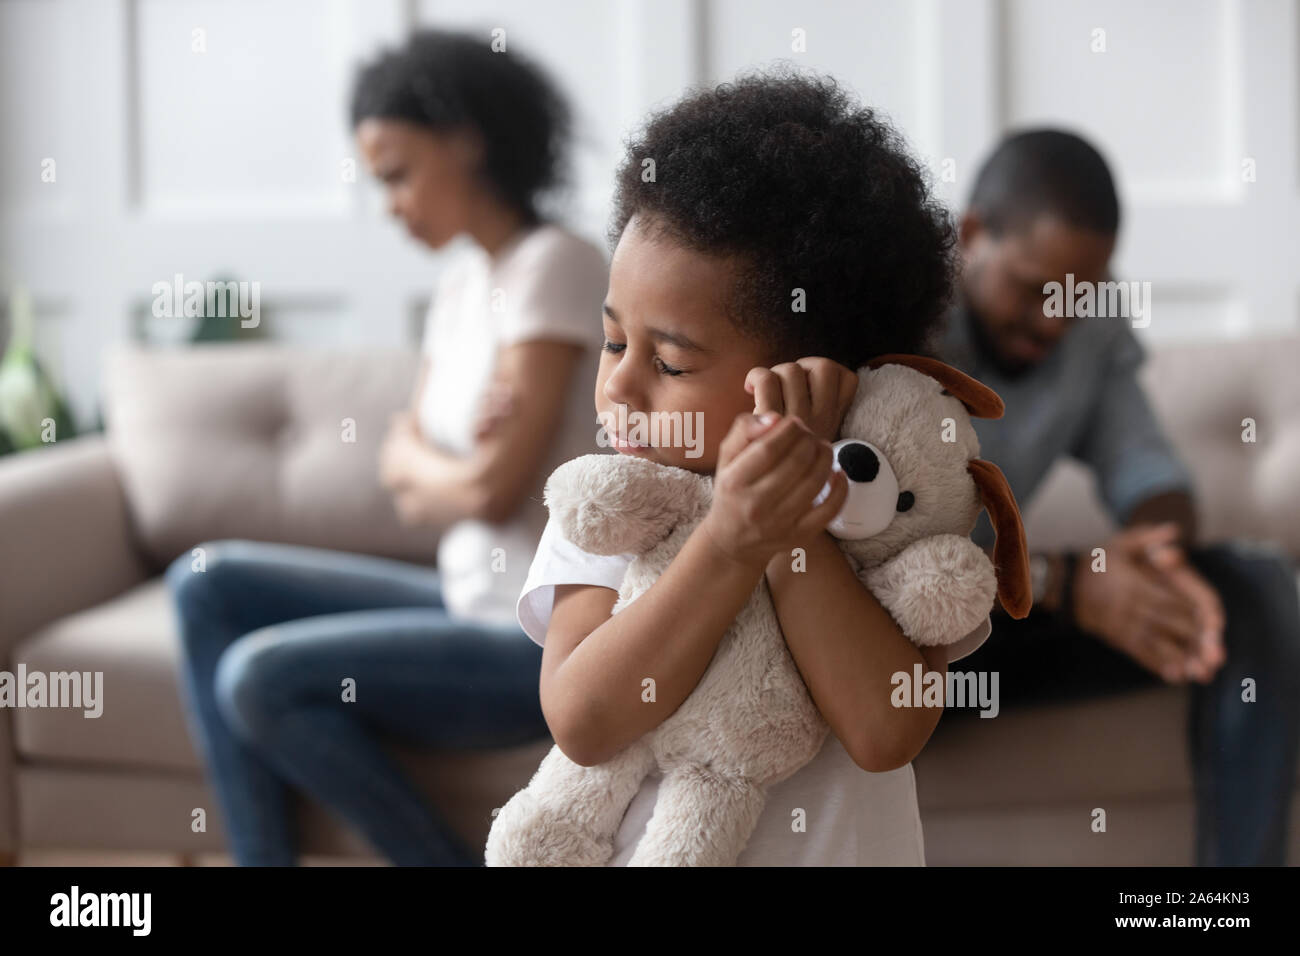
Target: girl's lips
[(630, 448)]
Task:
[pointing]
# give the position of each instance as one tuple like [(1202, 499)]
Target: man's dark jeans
[(1243, 755)]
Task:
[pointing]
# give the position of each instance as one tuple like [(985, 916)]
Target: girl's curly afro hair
[(807, 190)]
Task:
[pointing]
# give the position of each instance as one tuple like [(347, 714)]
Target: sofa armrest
[(66, 541)]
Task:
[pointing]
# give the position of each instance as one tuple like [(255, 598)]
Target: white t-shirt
[(546, 284), (852, 817)]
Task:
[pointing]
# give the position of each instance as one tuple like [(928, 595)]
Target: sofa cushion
[(1143, 831), (1201, 394), (109, 808), (115, 773), (1067, 511), (1024, 756), (253, 441), (132, 640), (1125, 745)]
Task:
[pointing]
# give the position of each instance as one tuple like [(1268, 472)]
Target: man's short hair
[(1045, 172)]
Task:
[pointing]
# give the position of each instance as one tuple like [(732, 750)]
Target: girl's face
[(672, 360), (429, 178)]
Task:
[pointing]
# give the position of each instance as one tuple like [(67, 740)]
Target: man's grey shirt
[(1083, 400)]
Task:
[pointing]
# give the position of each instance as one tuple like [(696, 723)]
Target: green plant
[(208, 322), (32, 412)]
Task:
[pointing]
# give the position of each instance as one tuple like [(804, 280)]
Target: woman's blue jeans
[(296, 662)]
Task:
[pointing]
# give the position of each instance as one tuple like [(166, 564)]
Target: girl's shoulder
[(559, 561)]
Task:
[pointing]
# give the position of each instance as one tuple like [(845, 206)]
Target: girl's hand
[(817, 391), (768, 474)]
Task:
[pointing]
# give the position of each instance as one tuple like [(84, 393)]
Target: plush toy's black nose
[(859, 462)]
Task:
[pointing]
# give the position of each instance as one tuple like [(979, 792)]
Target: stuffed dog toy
[(916, 485)]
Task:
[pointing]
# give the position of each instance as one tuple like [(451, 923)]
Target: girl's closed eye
[(663, 367)]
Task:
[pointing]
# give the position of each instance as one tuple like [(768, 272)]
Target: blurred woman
[(465, 141)]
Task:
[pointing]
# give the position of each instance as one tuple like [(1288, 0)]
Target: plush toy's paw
[(938, 589), (528, 833), (620, 504)]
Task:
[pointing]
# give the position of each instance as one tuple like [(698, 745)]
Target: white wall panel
[(239, 107), (875, 49), (227, 162), (40, 105), (1157, 82), (322, 323), (1185, 311), (577, 43)]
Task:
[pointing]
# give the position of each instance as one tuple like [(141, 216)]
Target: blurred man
[(1044, 210)]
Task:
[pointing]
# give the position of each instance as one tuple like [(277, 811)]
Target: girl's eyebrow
[(662, 335)]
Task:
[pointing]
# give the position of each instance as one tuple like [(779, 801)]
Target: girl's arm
[(594, 665), (844, 643), (847, 647), (434, 487)]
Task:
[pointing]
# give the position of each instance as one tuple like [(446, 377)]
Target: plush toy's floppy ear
[(980, 400), (1010, 552)]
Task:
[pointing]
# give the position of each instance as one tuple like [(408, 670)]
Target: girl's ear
[(1010, 551), (980, 400)]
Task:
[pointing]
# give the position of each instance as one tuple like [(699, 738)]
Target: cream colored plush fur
[(750, 722)]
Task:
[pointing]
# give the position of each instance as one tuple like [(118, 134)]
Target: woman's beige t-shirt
[(547, 284)]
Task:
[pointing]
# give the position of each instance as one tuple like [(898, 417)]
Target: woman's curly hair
[(445, 80), (808, 190)]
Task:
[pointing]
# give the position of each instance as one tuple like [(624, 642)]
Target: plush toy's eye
[(945, 392), (906, 500), (873, 490)]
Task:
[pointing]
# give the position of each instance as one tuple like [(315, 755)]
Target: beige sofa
[(246, 441)]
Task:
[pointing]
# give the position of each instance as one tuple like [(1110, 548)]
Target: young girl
[(757, 224)]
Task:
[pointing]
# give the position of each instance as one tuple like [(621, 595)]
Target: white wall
[(229, 161)]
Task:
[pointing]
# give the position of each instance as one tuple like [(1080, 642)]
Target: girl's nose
[(620, 386)]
